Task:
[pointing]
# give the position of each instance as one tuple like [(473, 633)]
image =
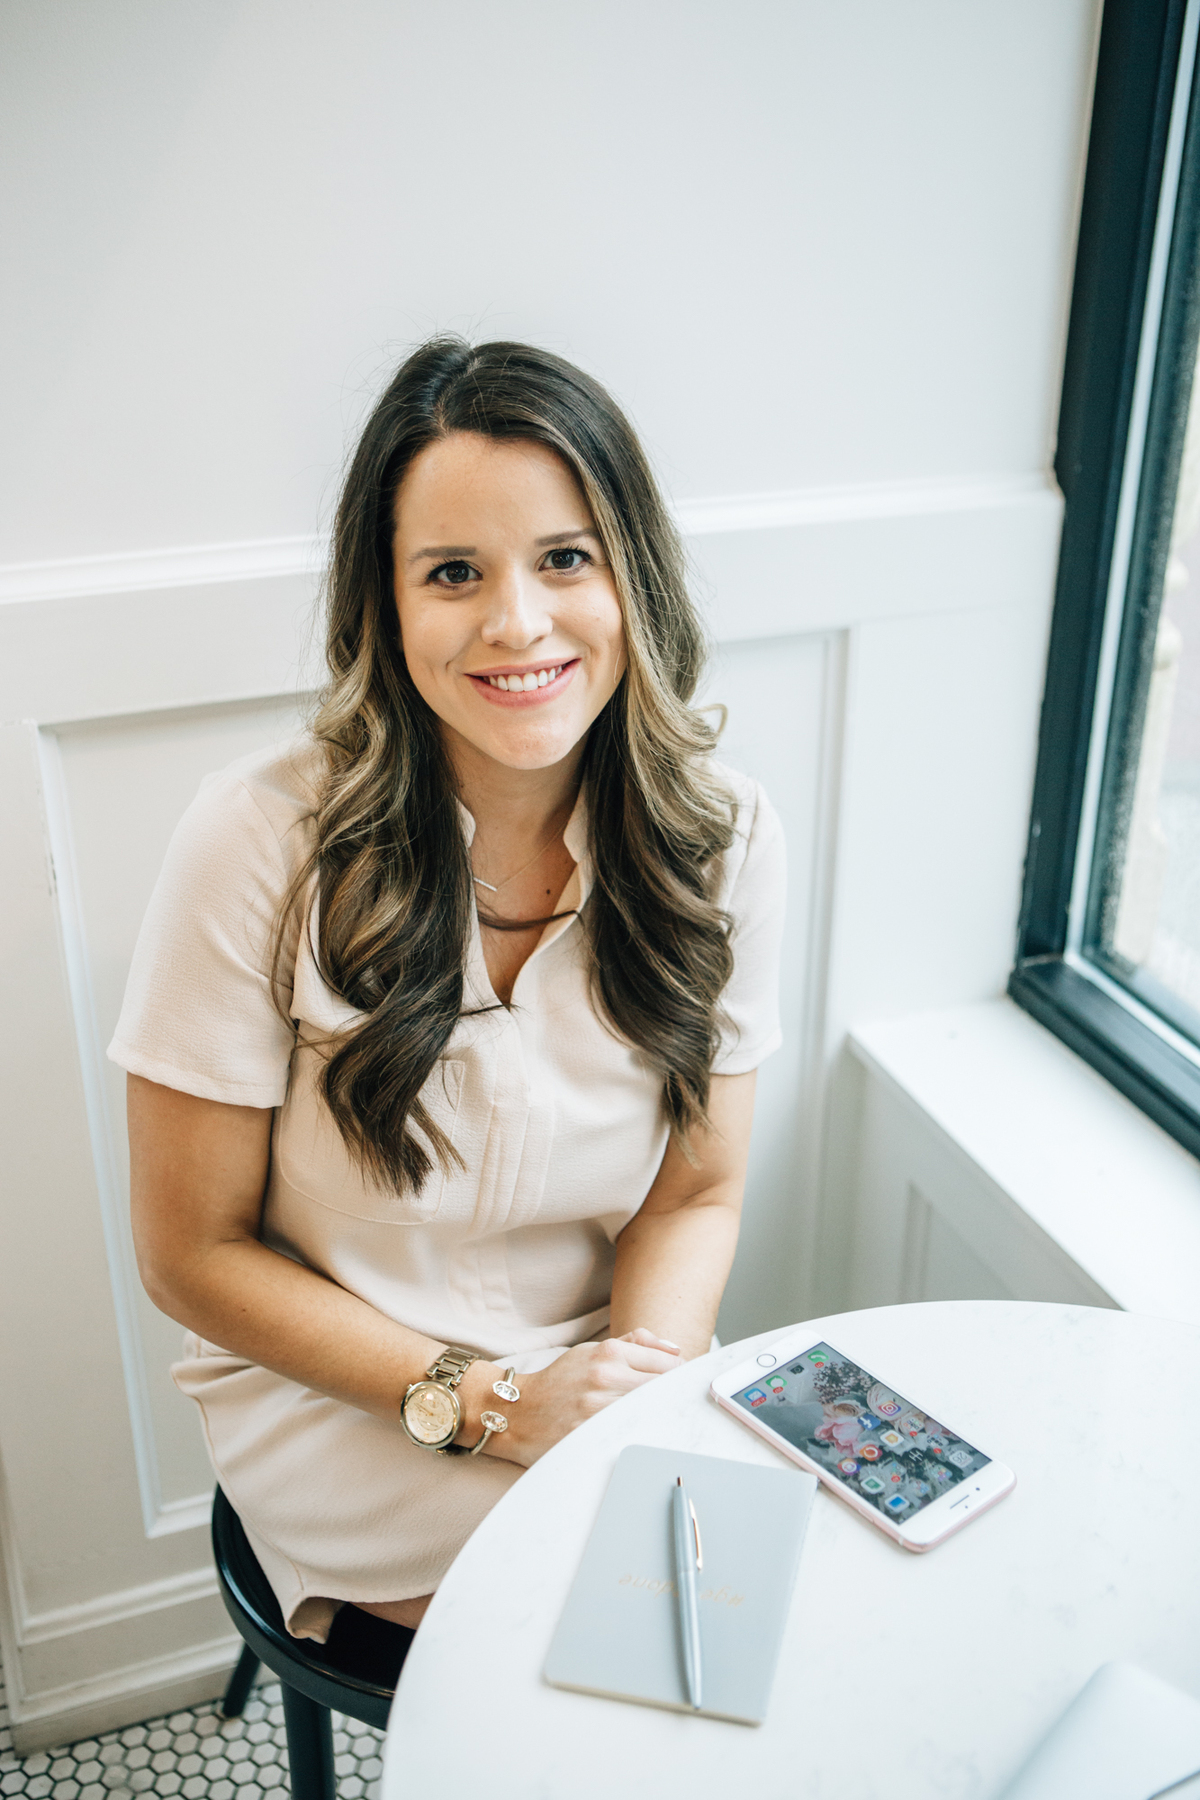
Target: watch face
[(431, 1413)]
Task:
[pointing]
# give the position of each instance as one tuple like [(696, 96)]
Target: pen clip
[(696, 1531)]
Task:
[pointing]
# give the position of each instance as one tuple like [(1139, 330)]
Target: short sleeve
[(198, 1013), (755, 897)]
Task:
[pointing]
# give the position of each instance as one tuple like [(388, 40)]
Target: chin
[(540, 751)]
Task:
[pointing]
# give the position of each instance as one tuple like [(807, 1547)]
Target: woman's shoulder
[(753, 813), (270, 794), (757, 850)]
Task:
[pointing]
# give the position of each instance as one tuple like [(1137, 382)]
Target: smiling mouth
[(526, 682)]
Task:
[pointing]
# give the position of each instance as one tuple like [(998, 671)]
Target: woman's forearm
[(671, 1271), (198, 1173), (675, 1254), (255, 1303)]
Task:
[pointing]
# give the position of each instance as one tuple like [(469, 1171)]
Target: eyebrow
[(448, 552)]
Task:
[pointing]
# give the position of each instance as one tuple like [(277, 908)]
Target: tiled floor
[(194, 1755)]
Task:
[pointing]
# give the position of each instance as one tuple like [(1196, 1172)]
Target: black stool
[(355, 1672)]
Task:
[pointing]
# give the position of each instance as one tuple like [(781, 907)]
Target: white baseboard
[(121, 1697)]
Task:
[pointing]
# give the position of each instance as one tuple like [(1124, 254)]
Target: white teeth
[(517, 684)]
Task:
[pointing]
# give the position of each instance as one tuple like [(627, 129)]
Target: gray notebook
[(1126, 1736), (619, 1632)]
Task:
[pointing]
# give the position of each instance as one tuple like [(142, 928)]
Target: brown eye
[(564, 562), (454, 574)]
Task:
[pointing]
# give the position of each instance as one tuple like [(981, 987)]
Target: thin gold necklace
[(494, 888)]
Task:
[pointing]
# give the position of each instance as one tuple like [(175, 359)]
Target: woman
[(442, 1027)]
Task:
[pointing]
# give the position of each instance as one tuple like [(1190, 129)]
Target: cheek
[(611, 633), (425, 642)]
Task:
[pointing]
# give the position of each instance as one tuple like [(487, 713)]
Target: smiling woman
[(443, 1024)]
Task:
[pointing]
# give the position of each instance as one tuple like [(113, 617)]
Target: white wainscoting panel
[(784, 698), (115, 789), (1060, 1187), (928, 1224), (938, 1261)]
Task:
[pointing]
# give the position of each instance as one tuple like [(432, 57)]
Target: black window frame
[(1121, 1023)]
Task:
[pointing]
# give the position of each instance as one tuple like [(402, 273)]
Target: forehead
[(465, 486)]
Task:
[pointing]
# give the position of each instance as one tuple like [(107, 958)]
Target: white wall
[(807, 244), (823, 255)]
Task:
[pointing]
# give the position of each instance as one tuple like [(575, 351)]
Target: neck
[(513, 806)]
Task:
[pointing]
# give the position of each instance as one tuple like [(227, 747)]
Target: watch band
[(451, 1365), (449, 1369)]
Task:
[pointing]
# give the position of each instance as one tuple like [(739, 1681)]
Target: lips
[(524, 687)]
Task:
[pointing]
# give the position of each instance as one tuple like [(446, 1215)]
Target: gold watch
[(431, 1412)]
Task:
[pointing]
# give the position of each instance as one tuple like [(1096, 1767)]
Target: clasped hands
[(576, 1386)]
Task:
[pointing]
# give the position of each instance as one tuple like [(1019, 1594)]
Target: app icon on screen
[(776, 1383), (871, 1484), (867, 1421), (891, 1438), (848, 1466), (943, 1477), (755, 1397), (819, 1357), (897, 1503), (960, 1458), (871, 1452)]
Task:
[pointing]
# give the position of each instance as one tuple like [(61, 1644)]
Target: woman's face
[(509, 618)]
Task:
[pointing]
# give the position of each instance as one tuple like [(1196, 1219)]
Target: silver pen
[(688, 1560)]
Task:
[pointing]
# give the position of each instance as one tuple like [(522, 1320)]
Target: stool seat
[(354, 1672)]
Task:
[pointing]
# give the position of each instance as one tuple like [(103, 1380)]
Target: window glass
[(1150, 866), (1143, 913)]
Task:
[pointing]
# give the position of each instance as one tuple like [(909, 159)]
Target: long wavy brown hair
[(390, 865)]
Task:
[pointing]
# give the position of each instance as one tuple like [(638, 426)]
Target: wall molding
[(111, 1609), (183, 565), (860, 501), (159, 1517), (199, 565)]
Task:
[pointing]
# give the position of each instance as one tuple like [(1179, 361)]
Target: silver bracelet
[(495, 1421)]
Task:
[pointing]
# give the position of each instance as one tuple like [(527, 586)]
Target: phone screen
[(868, 1437)]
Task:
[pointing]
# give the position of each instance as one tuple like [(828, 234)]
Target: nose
[(515, 611)]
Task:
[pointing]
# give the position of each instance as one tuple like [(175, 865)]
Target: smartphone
[(892, 1462)]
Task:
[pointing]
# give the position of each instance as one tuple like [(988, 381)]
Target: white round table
[(902, 1677)]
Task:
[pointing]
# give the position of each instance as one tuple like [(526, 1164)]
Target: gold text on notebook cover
[(652, 1584)]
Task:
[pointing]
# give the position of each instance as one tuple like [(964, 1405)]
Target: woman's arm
[(674, 1256), (198, 1173)]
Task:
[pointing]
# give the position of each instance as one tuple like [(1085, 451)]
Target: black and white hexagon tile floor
[(193, 1755)]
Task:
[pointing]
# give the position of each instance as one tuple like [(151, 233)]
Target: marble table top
[(902, 1677)]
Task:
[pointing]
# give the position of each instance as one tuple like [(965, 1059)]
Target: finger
[(645, 1358), (640, 1335)]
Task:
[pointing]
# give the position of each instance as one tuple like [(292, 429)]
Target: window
[(1109, 945)]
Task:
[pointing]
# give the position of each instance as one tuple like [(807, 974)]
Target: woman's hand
[(581, 1383)]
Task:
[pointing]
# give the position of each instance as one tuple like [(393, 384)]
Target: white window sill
[(1118, 1196)]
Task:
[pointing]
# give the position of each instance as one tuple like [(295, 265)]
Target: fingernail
[(668, 1343)]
